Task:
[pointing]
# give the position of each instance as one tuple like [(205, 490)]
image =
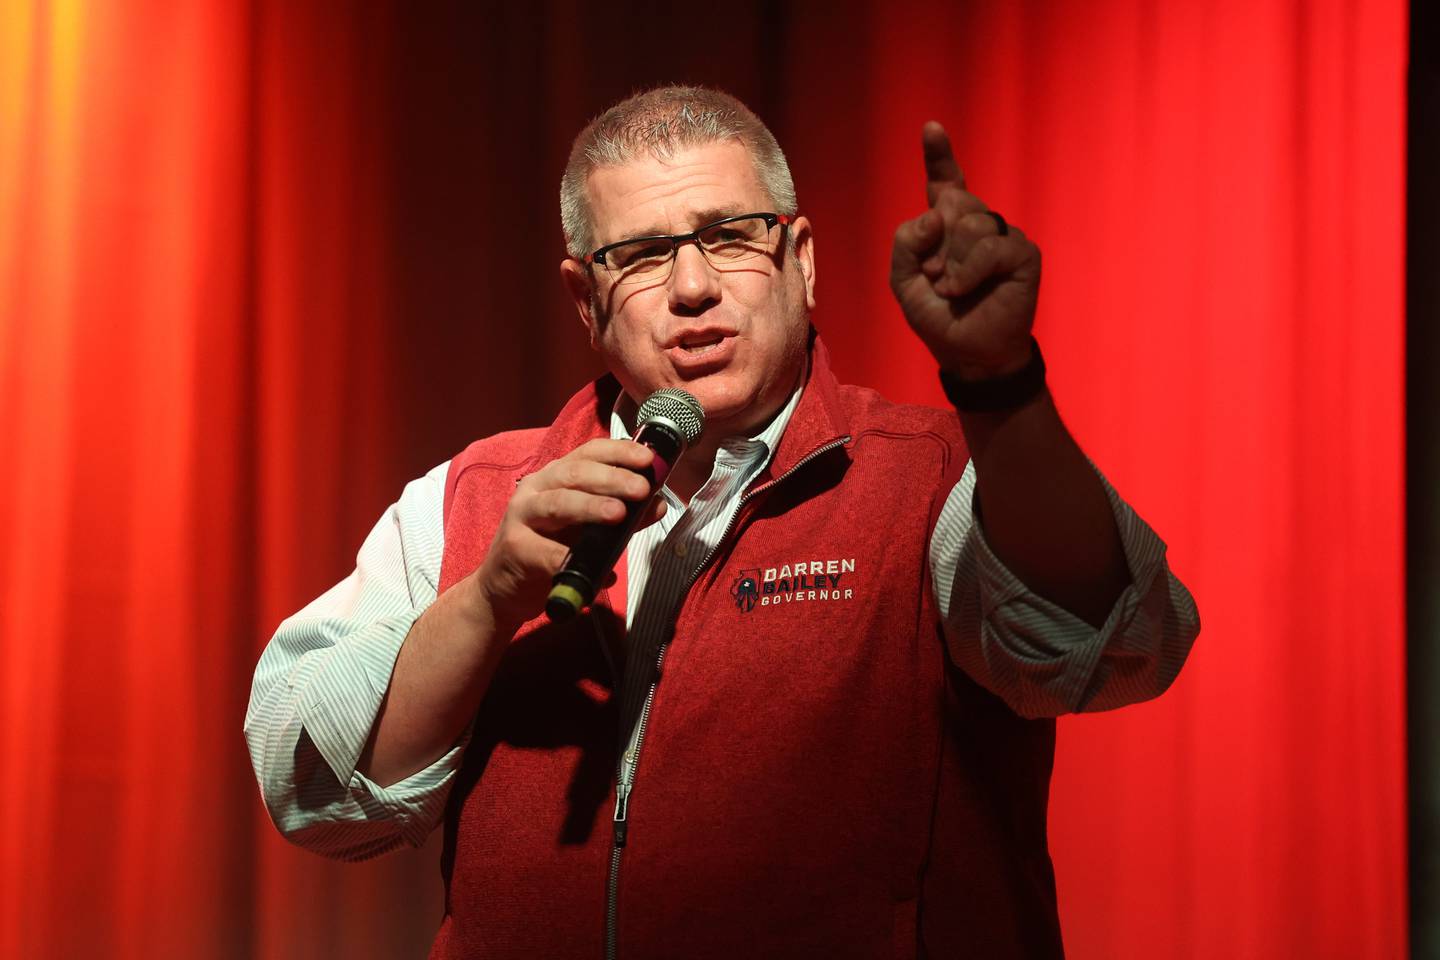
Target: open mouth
[(701, 345)]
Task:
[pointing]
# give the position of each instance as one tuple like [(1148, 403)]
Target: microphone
[(670, 420)]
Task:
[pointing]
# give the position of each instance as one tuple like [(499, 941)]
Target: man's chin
[(736, 406), (728, 416)]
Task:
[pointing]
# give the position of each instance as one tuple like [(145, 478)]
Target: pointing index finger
[(941, 170)]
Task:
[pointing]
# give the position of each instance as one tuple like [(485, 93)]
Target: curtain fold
[(260, 264)]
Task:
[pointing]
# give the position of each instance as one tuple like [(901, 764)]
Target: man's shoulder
[(483, 475), (510, 449), (870, 411)]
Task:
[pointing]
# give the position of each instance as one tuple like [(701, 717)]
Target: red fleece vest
[(817, 778)]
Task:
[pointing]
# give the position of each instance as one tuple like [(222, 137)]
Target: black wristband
[(997, 393)]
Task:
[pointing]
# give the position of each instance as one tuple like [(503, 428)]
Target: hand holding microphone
[(669, 421), (604, 486)]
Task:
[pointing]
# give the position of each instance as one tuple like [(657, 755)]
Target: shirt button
[(680, 548)]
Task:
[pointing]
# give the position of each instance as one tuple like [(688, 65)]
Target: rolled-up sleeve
[(319, 684), (1041, 659)]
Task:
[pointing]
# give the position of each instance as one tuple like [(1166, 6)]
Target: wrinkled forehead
[(673, 194)]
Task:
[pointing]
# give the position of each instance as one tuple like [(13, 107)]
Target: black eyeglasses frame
[(676, 239)]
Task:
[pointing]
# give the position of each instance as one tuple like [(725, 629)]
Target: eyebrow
[(698, 218)]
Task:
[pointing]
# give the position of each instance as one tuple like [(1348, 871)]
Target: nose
[(694, 284)]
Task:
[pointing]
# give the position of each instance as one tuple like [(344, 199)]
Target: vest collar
[(818, 420)]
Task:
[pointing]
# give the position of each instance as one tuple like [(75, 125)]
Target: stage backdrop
[(261, 263)]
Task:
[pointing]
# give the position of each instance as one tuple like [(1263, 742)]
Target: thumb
[(915, 241)]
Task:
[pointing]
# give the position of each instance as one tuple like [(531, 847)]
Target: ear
[(804, 240), (576, 278)]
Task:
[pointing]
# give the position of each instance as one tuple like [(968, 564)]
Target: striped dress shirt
[(319, 682)]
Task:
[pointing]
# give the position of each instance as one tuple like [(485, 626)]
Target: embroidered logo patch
[(805, 581)]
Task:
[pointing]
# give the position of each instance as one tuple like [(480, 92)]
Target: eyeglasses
[(725, 241)]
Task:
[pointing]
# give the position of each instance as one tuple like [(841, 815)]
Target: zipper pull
[(622, 804)]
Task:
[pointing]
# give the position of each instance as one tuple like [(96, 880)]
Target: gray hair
[(661, 122)]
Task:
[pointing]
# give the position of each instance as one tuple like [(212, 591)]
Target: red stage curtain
[(259, 264)]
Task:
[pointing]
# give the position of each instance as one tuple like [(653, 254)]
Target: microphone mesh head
[(677, 406)]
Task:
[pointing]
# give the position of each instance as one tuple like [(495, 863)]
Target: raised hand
[(967, 289)]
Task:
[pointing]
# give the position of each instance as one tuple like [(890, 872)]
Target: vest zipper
[(625, 781), (826, 448)]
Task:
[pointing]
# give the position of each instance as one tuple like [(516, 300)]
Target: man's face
[(732, 334)]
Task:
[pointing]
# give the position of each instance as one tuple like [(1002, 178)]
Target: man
[(796, 724)]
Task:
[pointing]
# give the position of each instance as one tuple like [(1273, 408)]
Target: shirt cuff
[(415, 803), (1144, 558), (342, 689), (1040, 658)]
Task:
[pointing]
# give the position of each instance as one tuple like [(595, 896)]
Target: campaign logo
[(746, 590), (806, 581)]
